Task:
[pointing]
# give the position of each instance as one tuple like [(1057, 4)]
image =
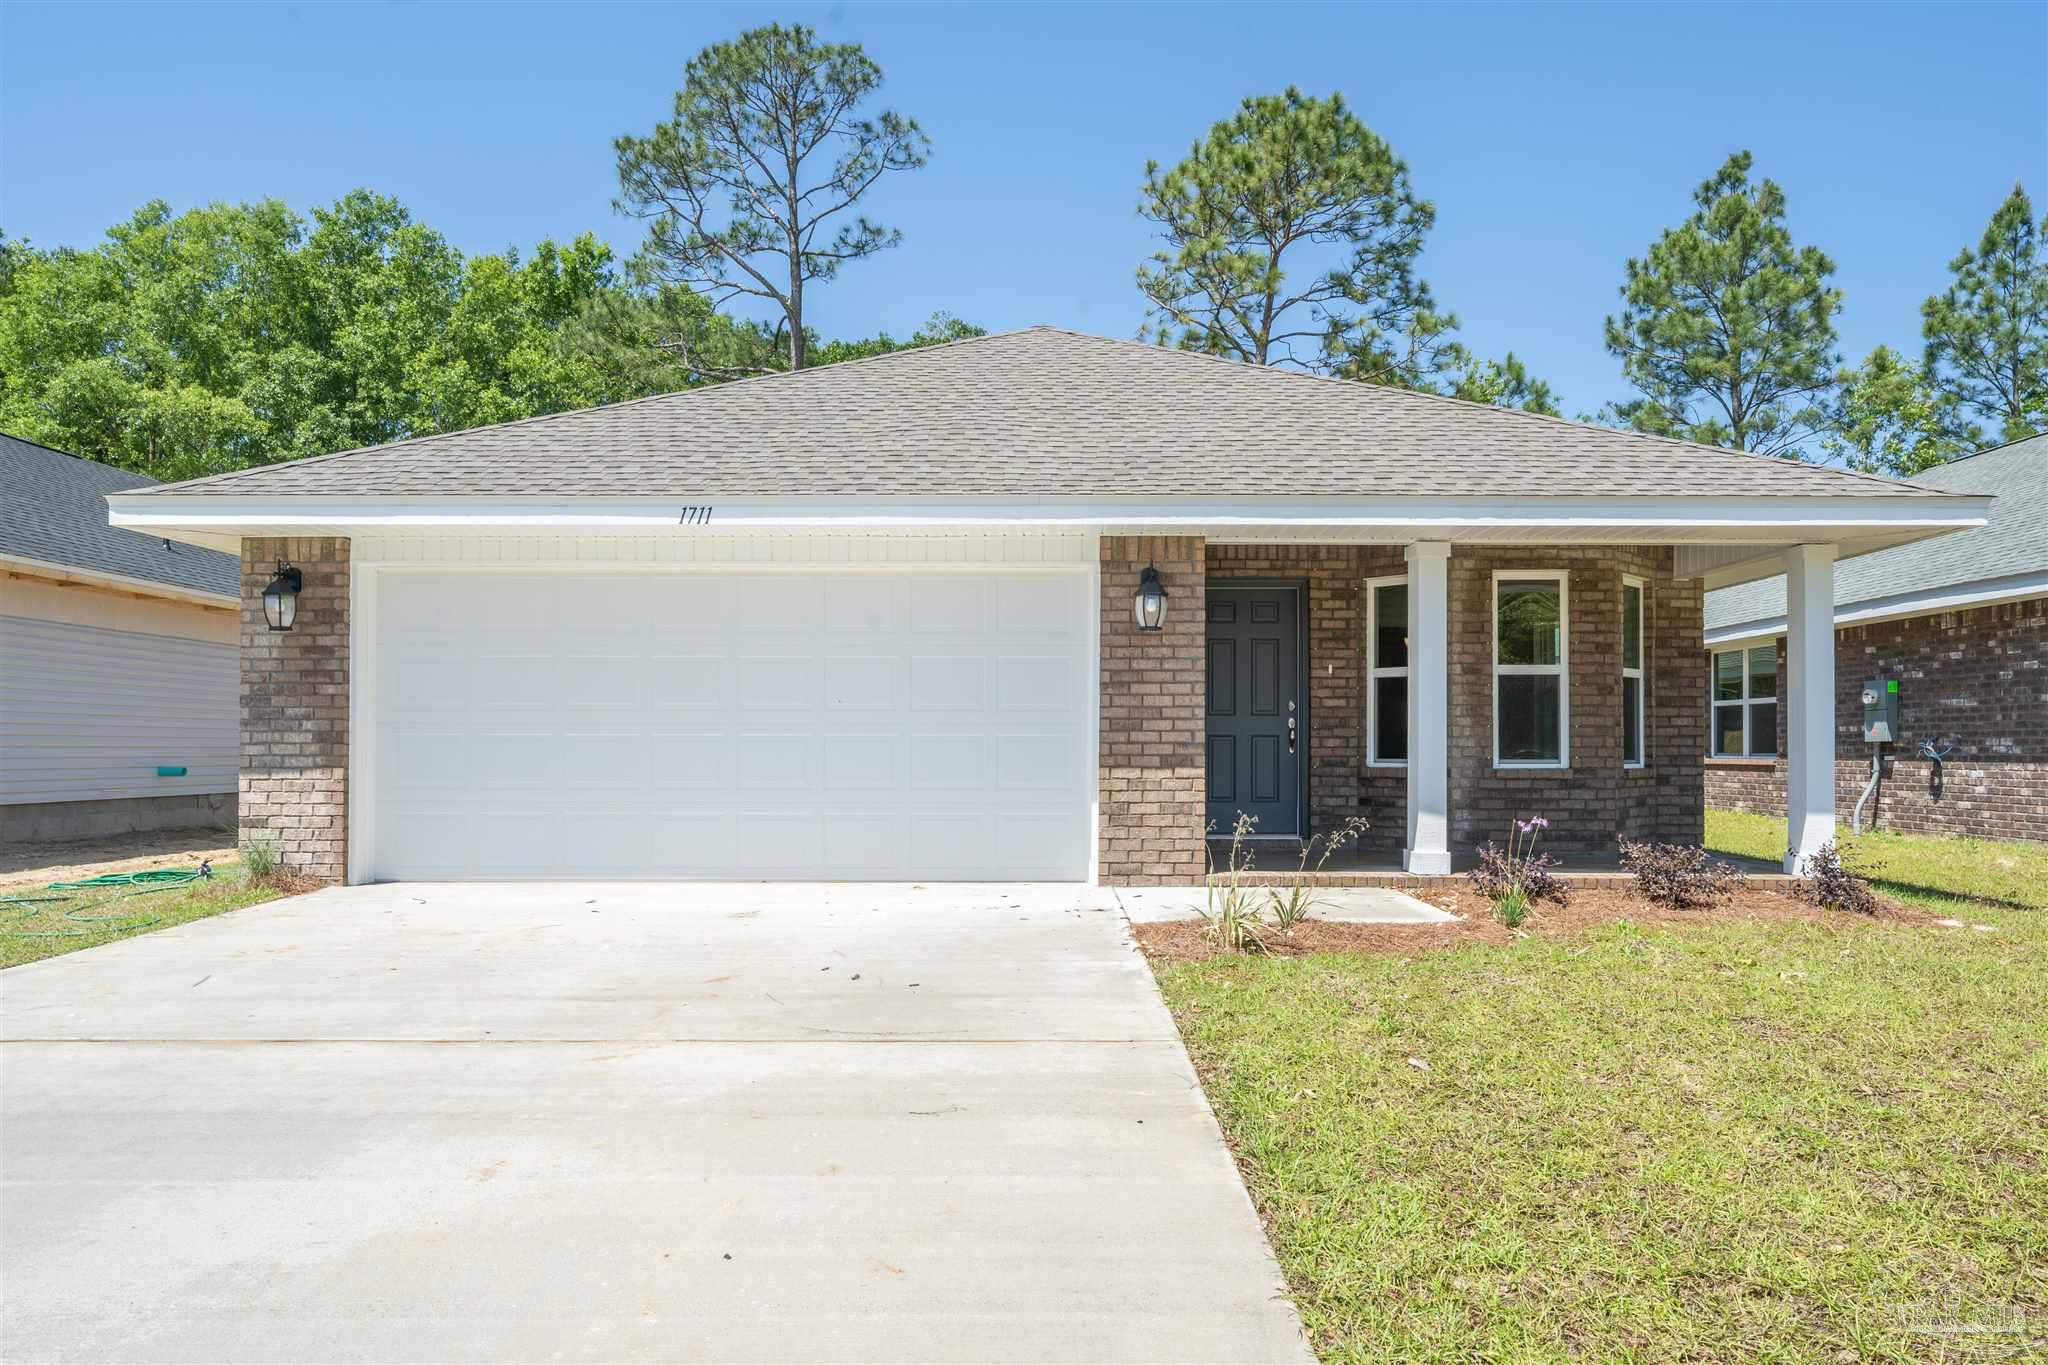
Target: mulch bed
[(1184, 941)]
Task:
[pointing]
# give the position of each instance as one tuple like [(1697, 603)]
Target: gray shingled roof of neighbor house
[(53, 509), (1043, 413), (2012, 542)]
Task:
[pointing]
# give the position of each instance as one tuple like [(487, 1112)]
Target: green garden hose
[(140, 884)]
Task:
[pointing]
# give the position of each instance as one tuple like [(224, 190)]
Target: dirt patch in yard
[(38, 862), (1184, 941)]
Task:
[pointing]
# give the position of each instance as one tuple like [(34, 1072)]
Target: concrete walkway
[(1339, 904), (620, 1123)]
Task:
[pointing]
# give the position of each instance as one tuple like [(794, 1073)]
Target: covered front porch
[(1435, 690)]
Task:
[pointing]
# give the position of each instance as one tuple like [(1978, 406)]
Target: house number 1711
[(695, 516)]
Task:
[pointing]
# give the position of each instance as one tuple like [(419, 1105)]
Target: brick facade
[(1596, 798), (1153, 727), (1975, 679), (295, 684), (1152, 782)]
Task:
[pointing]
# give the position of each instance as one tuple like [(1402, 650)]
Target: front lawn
[(1935, 872), (37, 923), (1736, 1139)]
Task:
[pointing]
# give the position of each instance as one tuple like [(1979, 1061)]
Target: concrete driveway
[(610, 1122)]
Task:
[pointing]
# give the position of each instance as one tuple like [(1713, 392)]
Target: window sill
[(1716, 761), (1387, 767)]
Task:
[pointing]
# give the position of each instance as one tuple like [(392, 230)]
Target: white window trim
[(1714, 703), (1373, 673), (1561, 670), (1642, 655)]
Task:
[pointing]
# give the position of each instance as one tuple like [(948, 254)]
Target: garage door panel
[(948, 682), (861, 683), (949, 605), (861, 605), (1037, 682), (898, 724)]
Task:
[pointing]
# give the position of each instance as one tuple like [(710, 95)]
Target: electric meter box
[(1881, 711)]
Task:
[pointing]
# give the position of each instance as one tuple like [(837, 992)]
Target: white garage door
[(851, 724)]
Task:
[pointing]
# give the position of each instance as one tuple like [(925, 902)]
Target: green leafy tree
[(1505, 383), (746, 189), (1893, 419), (1251, 216), (1727, 327), (237, 334), (1292, 238), (939, 328), (1987, 333)]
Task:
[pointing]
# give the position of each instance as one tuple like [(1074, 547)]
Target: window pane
[(1763, 671), (1390, 720), (1527, 619), (1631, 626), (1390, 626), (1763, 730), (1728, 731), (1728, 676), (1631, 720), (1529, 713)]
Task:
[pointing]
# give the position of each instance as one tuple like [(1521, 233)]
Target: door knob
[(1290, 734)]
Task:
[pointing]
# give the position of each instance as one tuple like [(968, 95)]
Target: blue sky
[(1555, 141)]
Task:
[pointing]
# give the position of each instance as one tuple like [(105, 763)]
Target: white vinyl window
[(1531, 669), (1634, 644), (1386, 672), (1744, 693)]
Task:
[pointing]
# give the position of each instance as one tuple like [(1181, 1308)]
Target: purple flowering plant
[(1516, 877)]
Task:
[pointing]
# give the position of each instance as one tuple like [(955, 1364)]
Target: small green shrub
[(1514, 878), (1231, 916), (1295, 903), (259, 857)]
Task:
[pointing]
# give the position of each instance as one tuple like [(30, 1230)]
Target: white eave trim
[(1762, 520), (1987, 592)]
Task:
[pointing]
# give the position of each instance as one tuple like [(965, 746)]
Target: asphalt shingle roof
[(53, 508), (2013, 540), (1035, 413)]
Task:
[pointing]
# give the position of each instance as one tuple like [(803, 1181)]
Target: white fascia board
[(1987, 592), (1734, 520)]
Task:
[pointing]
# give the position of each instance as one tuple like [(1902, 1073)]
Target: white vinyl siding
[(90, 715)]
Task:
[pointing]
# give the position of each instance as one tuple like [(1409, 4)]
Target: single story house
[(1957, 629), (118, 672), (902, 618)]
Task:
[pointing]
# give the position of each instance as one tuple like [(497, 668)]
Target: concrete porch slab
[(1339, 905)]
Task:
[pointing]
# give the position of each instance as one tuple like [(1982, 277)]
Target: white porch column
[(1429, 711), (1810, 699)]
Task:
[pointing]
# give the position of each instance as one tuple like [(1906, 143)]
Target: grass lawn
[(1739, 1139), (1934, 872), (30, 932)]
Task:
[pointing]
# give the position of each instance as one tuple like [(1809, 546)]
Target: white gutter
[(1897, 607), (1736, 520)]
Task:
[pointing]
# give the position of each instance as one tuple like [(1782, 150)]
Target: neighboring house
[(882, 619), (117, 660), (1959, 623)]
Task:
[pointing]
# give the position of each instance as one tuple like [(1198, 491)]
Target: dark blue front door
[(1257, 732)]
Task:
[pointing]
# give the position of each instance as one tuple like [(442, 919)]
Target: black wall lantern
[(281, 598), (1150, 602)]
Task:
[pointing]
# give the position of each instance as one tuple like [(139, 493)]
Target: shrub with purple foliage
[(1834, 887), (1681, 876)]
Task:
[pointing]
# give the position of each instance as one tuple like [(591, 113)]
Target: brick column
[(295, 708), (1153, 785)]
